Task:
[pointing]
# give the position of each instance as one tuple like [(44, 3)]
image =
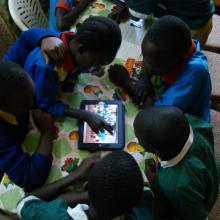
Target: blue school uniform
[(54, 4), (46, 77), (27, 171), (191, 90)]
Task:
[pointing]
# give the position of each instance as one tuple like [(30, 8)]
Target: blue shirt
[(46, 83), (191, 90), (44, 77), (65, 4), (195, 13), (27, 171)]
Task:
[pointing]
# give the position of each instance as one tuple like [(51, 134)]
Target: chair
[(6, 35), (213, 42), (214, 69), (27, 14)]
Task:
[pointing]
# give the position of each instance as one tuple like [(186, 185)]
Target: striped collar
[(8, 117), (174, 161)]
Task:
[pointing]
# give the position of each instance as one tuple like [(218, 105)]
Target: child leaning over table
[(187, 175), (16, 100), (95, 43), (115, 184), (169, 52), (64, 13)]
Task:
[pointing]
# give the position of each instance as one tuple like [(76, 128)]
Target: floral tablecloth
[(65, 150)]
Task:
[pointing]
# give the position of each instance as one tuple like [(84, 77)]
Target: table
[(65, 152)]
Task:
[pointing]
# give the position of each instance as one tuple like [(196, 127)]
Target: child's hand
[(119, 75), (86, 165), (140, 92), (151, 172), (96, 122), (43, 121), (54, 50)]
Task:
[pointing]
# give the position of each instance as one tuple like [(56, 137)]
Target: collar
[(174, 161), (78, 213), (68, 66), (8, 117), (171, 76)]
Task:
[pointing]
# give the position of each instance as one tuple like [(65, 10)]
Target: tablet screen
[(109, 112)]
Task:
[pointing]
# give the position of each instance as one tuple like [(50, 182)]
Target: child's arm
[(138, 91), (52, 47), (52, 190), (66, 18), (95, 121), (27, 171)]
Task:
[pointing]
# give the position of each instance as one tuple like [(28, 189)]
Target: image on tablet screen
[(109, 113)]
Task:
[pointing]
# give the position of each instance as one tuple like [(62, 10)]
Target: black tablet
[(113, 112)]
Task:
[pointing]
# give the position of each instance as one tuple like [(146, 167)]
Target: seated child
[(169, 52), (188, 174), (63, 14), (26, 171), (16, 100), (115, 184), (96, 42), (196, 14)]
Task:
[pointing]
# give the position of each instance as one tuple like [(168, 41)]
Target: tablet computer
[(113, 112)]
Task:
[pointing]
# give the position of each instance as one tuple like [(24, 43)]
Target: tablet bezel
[(121, 128)]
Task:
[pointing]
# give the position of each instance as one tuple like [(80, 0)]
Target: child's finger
[(108, 128), (46, 57)]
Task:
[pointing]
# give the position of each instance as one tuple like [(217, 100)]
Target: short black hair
[(115, 184), (170, 34), (12, 78), (164, 128), (99, 33)]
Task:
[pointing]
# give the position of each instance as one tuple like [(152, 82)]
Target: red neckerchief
[(171, 76), (62, 4), (68, 65)]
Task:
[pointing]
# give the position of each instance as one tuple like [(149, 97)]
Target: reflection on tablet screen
[(109, 113)]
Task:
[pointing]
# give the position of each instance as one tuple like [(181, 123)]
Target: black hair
[(115, 184), (12, 78), (164, 128), (100, 34), (170, 34)]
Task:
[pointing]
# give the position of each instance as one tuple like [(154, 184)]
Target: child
[(196, 14), (63, 14), (170, 53), (26, 171), (115, 184), (96, 42), (188, 174)]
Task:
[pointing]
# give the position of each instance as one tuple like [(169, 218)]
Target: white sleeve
[(22, 202)]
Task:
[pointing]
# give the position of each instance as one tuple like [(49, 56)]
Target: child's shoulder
[(36, 58), (196, 66)]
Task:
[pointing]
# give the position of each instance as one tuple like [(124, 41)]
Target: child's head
[(162, 130), (16, 89), (115, 184), (97, 42), (166, 45)]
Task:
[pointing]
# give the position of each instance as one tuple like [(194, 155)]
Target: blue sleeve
[(25, 43), (47, 90), (29, 172), (185, 90)]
